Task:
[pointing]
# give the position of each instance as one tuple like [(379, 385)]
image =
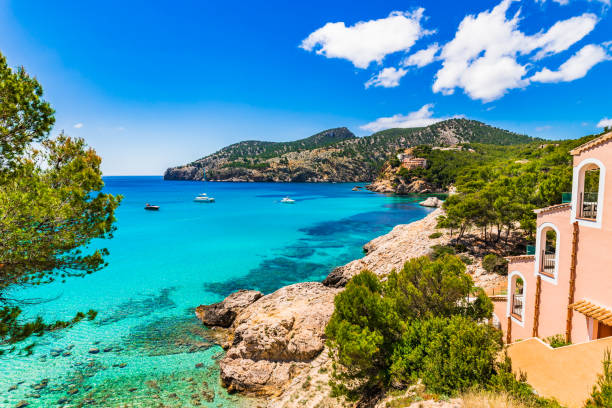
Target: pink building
[(566, 287)]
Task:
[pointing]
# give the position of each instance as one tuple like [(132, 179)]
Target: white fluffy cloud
[(423, 57), (566, 2), (575, 67), (78, 125), (367, 41), (387, 78), (482, 58), (420, 118), (605, 122), (563, 34)]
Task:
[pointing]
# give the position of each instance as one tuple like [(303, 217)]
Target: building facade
[(565, 288)]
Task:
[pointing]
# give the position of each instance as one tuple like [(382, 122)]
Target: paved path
[(566, 373)]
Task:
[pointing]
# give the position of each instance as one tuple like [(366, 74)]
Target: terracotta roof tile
[(588, 145), (518, 258), (552, 208)]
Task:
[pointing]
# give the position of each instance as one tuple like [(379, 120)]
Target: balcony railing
[(547, 263), (588, 205), (517, 306)]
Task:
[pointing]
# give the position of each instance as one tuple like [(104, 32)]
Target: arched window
[(548, 251), (517, 301), (588, 192)]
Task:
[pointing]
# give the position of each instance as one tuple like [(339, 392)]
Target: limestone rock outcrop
[(434, 202), (276, 337), (391, 251), (223, 313)]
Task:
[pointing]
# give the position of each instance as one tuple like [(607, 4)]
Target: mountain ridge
[(333, 155)]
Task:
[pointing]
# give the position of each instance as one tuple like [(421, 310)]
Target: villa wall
[(594, 266), (555, 291), (522, 267)]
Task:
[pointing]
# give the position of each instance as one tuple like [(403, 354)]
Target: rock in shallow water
[(276, 337), (431, 202), (223, 313)]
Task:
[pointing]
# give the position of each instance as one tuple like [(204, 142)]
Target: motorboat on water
[(287, 200), (150, 207), (203, 198)]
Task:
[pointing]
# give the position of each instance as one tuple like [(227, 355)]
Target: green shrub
[(439, 251), (367, 332), (435, 235), (558, 340), (448, 354), (466, 259), (602, 392), (428, 288), (460, 248), (494, 263)]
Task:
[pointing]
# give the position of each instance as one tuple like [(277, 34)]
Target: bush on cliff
[(449, 354), (494, 263), (602, 392), (384, 333)]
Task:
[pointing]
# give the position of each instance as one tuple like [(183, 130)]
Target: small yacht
[(151, 207), (203, 198), (287, 200)]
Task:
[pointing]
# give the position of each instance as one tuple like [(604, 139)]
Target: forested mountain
[(333, 155)]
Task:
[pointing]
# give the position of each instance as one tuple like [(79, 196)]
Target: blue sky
[(155, 84)]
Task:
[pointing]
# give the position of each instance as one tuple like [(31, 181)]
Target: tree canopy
[(51, 201)]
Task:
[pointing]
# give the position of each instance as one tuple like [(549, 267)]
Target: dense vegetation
[(424, 323), (253, 149), (336, 154), (51, 204), (474, 132), (500, 196)]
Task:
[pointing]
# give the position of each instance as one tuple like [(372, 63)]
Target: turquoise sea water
[(163, 264)]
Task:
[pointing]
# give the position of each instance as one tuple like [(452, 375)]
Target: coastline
[(275, 345)]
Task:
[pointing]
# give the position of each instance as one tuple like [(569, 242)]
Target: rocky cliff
[(390, 181), (333, 155), (273, 339), (275, 344)]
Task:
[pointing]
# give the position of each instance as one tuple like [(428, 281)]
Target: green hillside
[(335, 154)]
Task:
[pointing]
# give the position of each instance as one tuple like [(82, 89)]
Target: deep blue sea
[(163, 264)]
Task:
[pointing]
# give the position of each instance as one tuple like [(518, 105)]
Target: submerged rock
[(223, 313), (277, 337)]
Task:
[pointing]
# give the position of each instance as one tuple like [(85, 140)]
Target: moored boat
[(203, 198), (287, 200), (150, 207)]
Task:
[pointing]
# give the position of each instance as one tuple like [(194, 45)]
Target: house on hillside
[(408, 160), (566, 286)]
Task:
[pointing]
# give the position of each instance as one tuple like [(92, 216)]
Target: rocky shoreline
[(275, 344)]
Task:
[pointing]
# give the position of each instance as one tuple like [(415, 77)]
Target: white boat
[(287, 200), (203, 198)]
